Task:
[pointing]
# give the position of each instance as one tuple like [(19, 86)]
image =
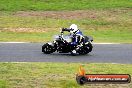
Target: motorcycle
[(62, 44)]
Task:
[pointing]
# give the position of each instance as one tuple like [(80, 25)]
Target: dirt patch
[(59, 14), (78, 14), (27, 29)]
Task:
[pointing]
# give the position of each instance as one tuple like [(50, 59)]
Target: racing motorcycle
[(62, 44)]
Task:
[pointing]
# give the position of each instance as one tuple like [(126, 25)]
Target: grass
[(99, 36), (25, 37), (57, 75), (48, 5), (106, 20), (108, 26)]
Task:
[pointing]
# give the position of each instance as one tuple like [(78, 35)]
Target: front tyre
[(47, 49)]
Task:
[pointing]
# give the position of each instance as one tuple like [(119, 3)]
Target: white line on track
[(105, 43)]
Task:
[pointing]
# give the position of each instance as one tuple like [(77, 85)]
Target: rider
[(75, 33)]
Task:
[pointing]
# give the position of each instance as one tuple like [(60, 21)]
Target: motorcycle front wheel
[(47, 49)]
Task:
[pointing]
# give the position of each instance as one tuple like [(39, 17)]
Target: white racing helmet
[(73, 28)]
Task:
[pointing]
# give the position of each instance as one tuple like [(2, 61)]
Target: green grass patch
[(25, 37), (99, 36), (42, 5), (3, 84), (57, 75)]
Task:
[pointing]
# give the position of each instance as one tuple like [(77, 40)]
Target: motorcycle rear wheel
[(90, 47), (83, 51)]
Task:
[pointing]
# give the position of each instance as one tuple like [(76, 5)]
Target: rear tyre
[(47, 49), (83, 50), (90, 47)]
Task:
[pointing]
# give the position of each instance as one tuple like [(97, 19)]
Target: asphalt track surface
[(31, 52)]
